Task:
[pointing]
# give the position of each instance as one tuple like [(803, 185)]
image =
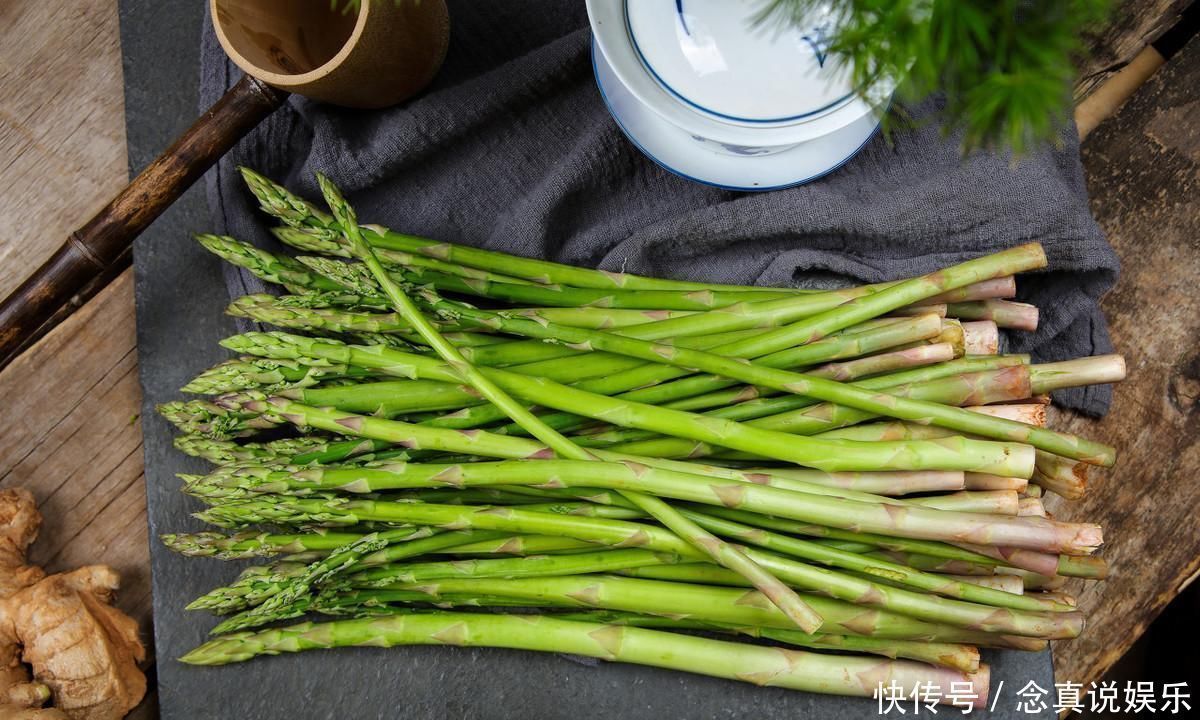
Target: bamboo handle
[(92, 248)]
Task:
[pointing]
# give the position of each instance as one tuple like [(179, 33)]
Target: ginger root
[(83, 652)]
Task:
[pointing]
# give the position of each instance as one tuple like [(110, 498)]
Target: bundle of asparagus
[(648, 469)]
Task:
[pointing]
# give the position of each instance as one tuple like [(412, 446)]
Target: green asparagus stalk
[(1029, 560), (576, 564), (1005, 313), (894, 572), (827, 390), (225, 452), (911, 547), (247, 373), (567, 296), (1002, 287), (879, 625), (749, 663), (256, 544), (623, 533), (996, 458), (323, 244), (890, 484), (253, 586), (278, 202), (951, 655), (200, 417), (915, 521), (272, 268), (532, 545), (721, 552), (1005, 583), (918, 374), (258, 584), (283, 604), (813, 419)]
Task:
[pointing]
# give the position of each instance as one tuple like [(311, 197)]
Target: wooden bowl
[(378, 56)]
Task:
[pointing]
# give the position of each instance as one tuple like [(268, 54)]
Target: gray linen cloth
[(512, 149)]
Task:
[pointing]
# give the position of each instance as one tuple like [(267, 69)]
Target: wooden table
[(70, 429)]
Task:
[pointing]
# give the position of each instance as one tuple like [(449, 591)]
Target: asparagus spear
[(576, 564), (272, 268), (690, 361), (623, 533), (981, 337), (282, 604), (721, 552), (844, 618), (255, 544), (284, 451), (1005, 313), (998, 458), (730, 605), (951, 655), (830, 391), (1001, 287), (749, 663), (893, 572), (813, 419), (295, 212), (327, 244), (914, 521), (264, 374)]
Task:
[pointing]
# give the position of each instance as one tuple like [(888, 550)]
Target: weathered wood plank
[(1143, 168), (72, 436), (1133, 25), (62, 125)]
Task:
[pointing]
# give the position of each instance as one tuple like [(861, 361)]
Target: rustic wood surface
[(93, 248), (71, 434), (62, 125), (70, 428), (1143, 169), (1132, 25)]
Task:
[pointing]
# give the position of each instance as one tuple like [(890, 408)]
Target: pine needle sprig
[(1004, 66)]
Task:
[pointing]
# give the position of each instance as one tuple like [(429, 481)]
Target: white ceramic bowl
[(713, 56), (611, 33), (677, 151)]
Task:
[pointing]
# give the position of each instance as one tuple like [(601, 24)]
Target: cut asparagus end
[(981, 337), (1096, 370), (1030, 414)]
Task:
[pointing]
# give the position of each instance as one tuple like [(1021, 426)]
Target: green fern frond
[(1004, 66)]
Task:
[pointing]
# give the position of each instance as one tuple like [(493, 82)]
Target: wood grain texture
[(1132, 25), (88, 252), (1143, 168), (62, 125), (72, 436)]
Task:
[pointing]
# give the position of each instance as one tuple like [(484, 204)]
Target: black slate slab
[(180, 298)]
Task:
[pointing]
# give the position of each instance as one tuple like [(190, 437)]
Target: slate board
[(180, 299)]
